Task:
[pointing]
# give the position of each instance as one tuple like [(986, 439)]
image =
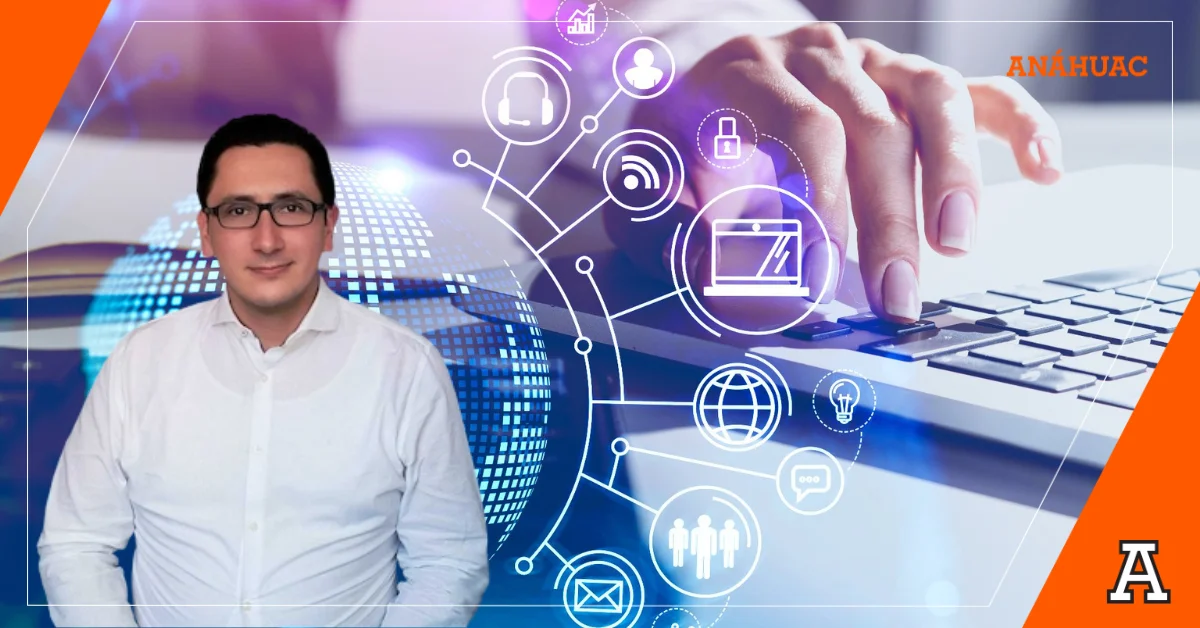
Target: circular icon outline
[(487, 111), (753, 519), (678, 164), (779, 477), (680, 609), (558, 25), (773, 392), (874, 400), (745, 159), (662, 86), (687, 282), (639, 593), (666, 190)]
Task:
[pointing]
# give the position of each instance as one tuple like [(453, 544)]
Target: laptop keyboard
[(1059, 336)]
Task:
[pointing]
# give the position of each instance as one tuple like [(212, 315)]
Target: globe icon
[(737, 407), (389, 258)]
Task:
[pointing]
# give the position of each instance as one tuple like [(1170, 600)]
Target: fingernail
[(822, 259), (900, 291), (956, 226), (1049, 153)]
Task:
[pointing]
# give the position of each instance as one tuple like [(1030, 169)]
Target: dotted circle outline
[(681, 609), (803, 170), (558, 28), (744, 160), (779, 479), (874, 403)]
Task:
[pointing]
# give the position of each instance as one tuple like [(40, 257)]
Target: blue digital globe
[(389, 258)]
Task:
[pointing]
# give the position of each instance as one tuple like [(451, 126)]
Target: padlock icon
[(728, 144)]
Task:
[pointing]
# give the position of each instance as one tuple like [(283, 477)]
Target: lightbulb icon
[(844, 395)]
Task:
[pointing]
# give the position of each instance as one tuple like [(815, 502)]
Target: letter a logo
[(1139, 552)]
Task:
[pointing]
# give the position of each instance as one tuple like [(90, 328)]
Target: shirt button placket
[(256, 486)]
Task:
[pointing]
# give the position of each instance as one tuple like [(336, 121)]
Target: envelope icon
[(598, 595)]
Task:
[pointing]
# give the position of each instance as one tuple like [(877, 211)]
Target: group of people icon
[(703, 541)]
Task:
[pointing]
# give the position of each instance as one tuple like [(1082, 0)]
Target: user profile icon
[(643, 67), (643, 74)]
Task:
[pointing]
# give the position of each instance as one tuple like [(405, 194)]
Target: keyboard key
[(1156, 292), (858, 321), (1049, 380), (986, 302), (1123, 393), (1100, 280), (1113, 332), (820, 330), (929, 308), (1100, 366), (1176, 308), (1021, 323), (888, 328), (1145, 352), (869, 322), (935, 342), (1161, 340), (1153, 319), (1066, 312), (1112, 302), (1065, 343), (1040, 292), (1015, 354), (1184, 281)]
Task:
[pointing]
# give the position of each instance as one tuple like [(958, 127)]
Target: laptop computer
[(759, 258), (1032, 341)]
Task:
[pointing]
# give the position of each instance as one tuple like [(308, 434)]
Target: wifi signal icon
[(641, 173)]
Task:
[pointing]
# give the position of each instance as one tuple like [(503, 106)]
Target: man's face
[(269, 267)]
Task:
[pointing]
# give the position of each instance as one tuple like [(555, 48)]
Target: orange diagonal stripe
[(41, 44), (1146, 492)]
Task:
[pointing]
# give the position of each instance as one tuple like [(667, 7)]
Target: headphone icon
[(547, 104)]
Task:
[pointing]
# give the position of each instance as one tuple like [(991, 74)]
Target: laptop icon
[(759, 258)]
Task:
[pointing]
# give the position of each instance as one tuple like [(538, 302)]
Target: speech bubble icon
[(810, 478)]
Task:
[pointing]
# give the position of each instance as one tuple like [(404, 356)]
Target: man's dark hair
[(262, 129)]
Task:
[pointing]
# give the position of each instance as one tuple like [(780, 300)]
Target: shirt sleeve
[(88, 515), (443, 535)]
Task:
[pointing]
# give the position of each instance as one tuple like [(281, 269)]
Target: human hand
[(858, 116)]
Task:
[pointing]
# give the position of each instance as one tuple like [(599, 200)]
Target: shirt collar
[(323, 315)]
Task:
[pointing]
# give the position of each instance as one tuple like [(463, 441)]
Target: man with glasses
[(277, 451)]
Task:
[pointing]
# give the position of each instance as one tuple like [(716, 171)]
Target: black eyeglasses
[(286, 212)]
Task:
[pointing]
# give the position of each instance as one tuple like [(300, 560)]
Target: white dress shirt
[(268, 488)]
